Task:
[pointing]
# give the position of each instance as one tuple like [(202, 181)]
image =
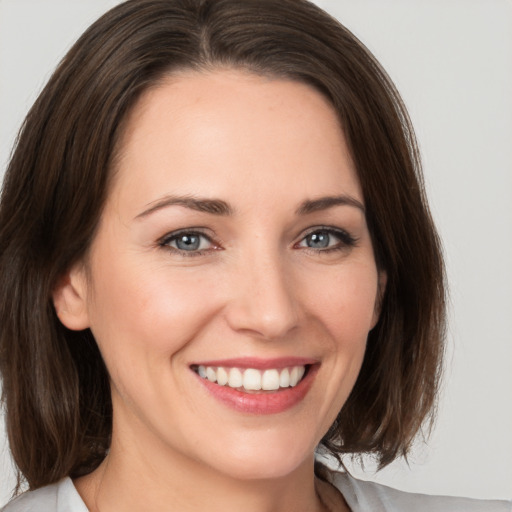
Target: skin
[(256, 289)]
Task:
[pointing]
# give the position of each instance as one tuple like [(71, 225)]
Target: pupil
[(188, 242), (319, 240)]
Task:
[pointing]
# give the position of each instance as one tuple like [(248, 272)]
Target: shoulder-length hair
[(55, 385)]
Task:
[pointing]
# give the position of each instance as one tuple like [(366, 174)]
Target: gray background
[(452, 61)]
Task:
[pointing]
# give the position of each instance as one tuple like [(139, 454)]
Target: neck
[(111, 489), (134, 477)]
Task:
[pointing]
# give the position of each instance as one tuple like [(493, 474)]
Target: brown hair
[(55, 385)]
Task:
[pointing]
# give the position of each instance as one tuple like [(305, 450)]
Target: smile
[(258, 386), (253, 379)]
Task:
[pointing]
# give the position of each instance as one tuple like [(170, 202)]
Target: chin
[(262, 470), (266, 460)]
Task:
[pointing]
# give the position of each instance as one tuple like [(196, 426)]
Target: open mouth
[(253, 380), (258, 386)]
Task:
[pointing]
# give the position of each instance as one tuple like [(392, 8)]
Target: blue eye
[(318, 240), (327, 239), (188, 242)]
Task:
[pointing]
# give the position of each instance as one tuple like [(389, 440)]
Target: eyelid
[(346, 238), (164, 242)]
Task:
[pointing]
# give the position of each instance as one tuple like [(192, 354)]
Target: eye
[(327, 239), (319, 240), (191, 242)]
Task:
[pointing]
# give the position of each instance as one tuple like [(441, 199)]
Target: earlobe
[(381, 289), (69, 299)]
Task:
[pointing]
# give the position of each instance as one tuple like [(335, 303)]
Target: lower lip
[(264, 402)]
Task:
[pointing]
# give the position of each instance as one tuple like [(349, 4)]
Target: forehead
[(227, 132)]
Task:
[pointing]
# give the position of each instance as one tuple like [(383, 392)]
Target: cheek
[(345, 300), (342, 300), (146, 309)]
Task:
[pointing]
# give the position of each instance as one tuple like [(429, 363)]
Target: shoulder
[(59, 497), (364, 496)]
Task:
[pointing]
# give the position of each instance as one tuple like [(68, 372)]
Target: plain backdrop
[(452, 62)]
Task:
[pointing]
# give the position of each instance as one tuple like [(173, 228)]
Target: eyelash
[(346, 241), (175, 235)]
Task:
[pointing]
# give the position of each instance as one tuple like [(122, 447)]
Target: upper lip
[(258, 363)]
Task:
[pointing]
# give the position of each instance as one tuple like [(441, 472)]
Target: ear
[(381, 289), (70, 299)]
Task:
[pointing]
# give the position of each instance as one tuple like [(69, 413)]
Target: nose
[(262, 302)]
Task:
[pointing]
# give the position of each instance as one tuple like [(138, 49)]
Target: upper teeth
[(252, 379)]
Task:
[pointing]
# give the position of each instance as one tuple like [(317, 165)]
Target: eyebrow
[(220, 207), (200, 204), (323, 203)]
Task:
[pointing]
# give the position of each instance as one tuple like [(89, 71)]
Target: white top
[(361, 496)]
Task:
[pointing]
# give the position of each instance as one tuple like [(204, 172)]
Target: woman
[(226, 261)]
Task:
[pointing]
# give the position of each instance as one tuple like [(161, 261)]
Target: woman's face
[(233, 244)]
